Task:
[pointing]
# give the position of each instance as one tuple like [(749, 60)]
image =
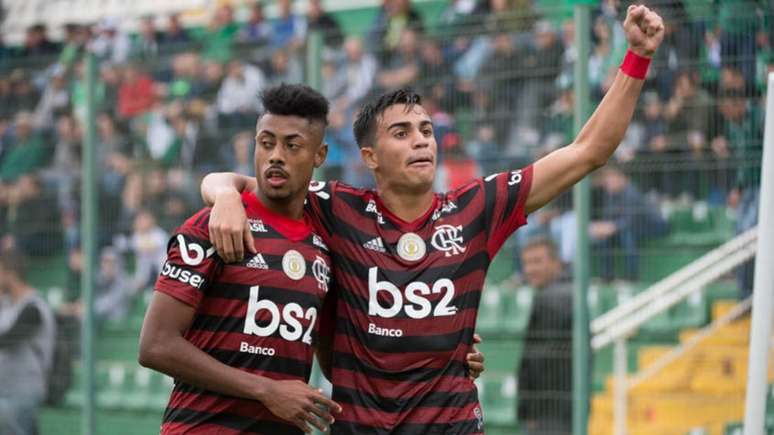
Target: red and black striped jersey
[(407, 298), (259, 315)]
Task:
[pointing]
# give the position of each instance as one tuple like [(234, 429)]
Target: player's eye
[(400, 134), (294, 146), (427, 132), (266, 144)]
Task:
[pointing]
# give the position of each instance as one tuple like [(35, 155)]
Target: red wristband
[(635, 65)]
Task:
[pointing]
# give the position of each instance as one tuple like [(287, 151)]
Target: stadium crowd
[(176, 102)]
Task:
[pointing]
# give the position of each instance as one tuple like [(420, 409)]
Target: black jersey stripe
[(276, 364), (465, 427), (278, 295), (231, 421), (350, 362), (394, 405)]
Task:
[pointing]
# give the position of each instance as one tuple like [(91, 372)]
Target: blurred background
[(176, 91)]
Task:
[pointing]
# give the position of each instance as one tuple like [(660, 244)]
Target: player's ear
[(368, 156), (320, 155)]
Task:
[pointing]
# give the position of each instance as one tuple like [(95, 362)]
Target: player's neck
[(408, 206), (291, 208)]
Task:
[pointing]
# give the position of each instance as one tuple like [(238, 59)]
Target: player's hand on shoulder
[(300, 404), (228, 227), (644, 30)]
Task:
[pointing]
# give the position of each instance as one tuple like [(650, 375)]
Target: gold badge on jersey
[(411, 247), (294, 265)]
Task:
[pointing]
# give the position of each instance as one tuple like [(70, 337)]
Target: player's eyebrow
[(291, 136), (407, 124)]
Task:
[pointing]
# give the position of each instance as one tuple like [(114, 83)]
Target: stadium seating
[(710, 376)]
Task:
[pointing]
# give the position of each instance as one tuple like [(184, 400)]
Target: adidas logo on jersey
[(375, 245), (257, 262)]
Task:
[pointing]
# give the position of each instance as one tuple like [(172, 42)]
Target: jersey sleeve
[(319, 205), (191, 262), (505, 195)]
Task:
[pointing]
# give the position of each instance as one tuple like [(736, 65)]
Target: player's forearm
[(180, 359), (222, 183), (604, 131)]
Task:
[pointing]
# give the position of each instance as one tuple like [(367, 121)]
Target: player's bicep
[(167, 316), (555, 173)]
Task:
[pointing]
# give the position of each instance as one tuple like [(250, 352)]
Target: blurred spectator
[(688, 114), (210, 81), (284, 67), (288, 29), (55, 100), (63, 173), (501, 78), (147, 42), (218, 38), (175, 35), (358, 71), (257, 30), (27, 334), (78, 92), (184, 82), (319, 20), (605, 55), (237, 102), (545, 375), (626, 217), (114, 158), (36, 42), (111, 44), (27, 152), (137, 94), (741, 139), (240, 159), (112, 294), (164, 193), (738, 24), (402, 69), (171, 137), (679, 48), (437, 80), (457, 167), (386, 32), (75, 40), (24, 96), (148, 244), (32, 224), (540, 67)]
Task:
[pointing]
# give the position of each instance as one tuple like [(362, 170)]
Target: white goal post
[(763, 289)]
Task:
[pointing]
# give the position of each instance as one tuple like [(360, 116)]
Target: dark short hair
[(542, 241), (296, 100), (13, 260), (365, 123)]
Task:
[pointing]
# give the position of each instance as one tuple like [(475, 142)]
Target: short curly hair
[(296, 100)]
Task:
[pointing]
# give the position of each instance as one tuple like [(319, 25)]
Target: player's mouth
[(421, 161), (276, 177)]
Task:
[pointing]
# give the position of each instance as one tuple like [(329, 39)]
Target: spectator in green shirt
[(26, 154)]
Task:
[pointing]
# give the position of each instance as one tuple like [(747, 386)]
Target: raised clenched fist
[(644, 30)]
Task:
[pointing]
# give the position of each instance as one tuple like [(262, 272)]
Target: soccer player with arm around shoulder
[(237, 337), (411, 263)]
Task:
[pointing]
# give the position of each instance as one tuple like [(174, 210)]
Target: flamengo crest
[(448, 238)]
